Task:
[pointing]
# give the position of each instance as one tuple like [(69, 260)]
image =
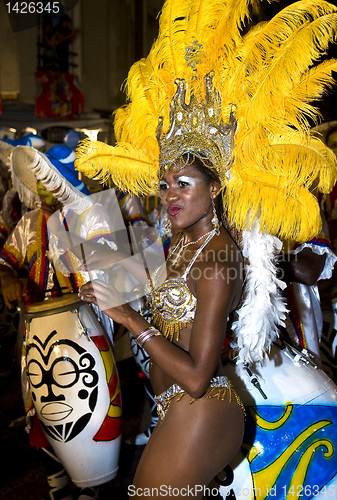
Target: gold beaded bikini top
[(172, 304)]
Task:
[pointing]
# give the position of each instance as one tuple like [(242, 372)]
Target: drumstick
[(71, 242), (83, 258)]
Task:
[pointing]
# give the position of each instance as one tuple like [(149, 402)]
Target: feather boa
[(264, 307)]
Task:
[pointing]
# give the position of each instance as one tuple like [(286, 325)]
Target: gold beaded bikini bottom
[(218, 388)]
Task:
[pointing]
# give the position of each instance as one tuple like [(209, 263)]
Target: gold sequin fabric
[(173, 307), (218, 388), (172, 304)]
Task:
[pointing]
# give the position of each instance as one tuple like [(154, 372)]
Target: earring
[(215, 220), (167, 225)]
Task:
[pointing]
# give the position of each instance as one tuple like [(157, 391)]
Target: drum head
[(49, 306)]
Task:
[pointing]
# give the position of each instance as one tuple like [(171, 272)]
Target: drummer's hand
[(47, 210), (11, 290), (102, 259), (107, 298)]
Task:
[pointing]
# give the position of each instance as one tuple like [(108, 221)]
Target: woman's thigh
[(189, 447)]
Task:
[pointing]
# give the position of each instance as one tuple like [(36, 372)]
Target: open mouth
[(174, 210)]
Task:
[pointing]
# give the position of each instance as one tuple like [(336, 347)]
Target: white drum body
[(75, 388), (289, 449)]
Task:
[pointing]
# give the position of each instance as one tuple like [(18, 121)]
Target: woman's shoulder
[(223, 250)]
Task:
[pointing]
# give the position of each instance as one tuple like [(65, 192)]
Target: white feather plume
[(62, 189), (263, 309)]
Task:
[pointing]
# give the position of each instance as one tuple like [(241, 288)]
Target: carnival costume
[(238, 98), (29, 242), (327, 290), (12, 211)]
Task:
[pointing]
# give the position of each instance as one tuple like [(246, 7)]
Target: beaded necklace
[(185, 245)]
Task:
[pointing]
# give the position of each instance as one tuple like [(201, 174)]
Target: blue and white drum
[(75, 388), (289, 449)]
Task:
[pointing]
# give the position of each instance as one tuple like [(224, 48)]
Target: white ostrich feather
[(62, 189), (263, 309), (29, 165)]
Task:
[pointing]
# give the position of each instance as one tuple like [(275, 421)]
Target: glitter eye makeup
[(187, 180), (163, 185)]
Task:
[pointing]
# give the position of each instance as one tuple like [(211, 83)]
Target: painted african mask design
[(64, 381), (75, 389), (72, 376)]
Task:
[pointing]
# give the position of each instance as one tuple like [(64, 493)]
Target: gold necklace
[(171, 252), (185, 245)]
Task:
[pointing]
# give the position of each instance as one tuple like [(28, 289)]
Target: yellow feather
[(313, 83), (289, 64), (260, 47), (171, 39), (228, 32), (300, 158), (267, 75), (265, 196), (137, 122), (123, 164)]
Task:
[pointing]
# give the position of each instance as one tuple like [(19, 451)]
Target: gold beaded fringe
[(212, 392), (170, 329)]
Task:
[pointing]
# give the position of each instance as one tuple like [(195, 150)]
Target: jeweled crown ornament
[(197, 128)]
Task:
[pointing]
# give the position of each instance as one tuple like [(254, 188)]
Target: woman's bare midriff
[(159, 380)]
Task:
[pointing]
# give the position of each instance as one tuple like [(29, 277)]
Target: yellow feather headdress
[(266, 77), (241, 96)]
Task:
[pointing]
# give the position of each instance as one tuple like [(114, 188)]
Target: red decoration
[(60, 97)]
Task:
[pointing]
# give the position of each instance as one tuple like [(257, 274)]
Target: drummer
[(30, 246), (302, 266)]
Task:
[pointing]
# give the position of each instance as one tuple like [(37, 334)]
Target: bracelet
[(145, 335)]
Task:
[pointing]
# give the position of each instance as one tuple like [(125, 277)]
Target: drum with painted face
[(74, 386), (289, 449)]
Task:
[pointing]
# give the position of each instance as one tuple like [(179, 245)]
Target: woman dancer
[(196, 402), (238, 101)]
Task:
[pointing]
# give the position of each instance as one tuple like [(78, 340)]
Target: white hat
[(55, 170), (7, 146)]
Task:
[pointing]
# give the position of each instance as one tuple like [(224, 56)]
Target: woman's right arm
[(192, 370)]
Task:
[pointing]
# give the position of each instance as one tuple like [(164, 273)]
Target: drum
[(328, 342), (290, 444), (75, 388), (140, 356)]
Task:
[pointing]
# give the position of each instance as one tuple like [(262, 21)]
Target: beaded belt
[(218, 388)]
